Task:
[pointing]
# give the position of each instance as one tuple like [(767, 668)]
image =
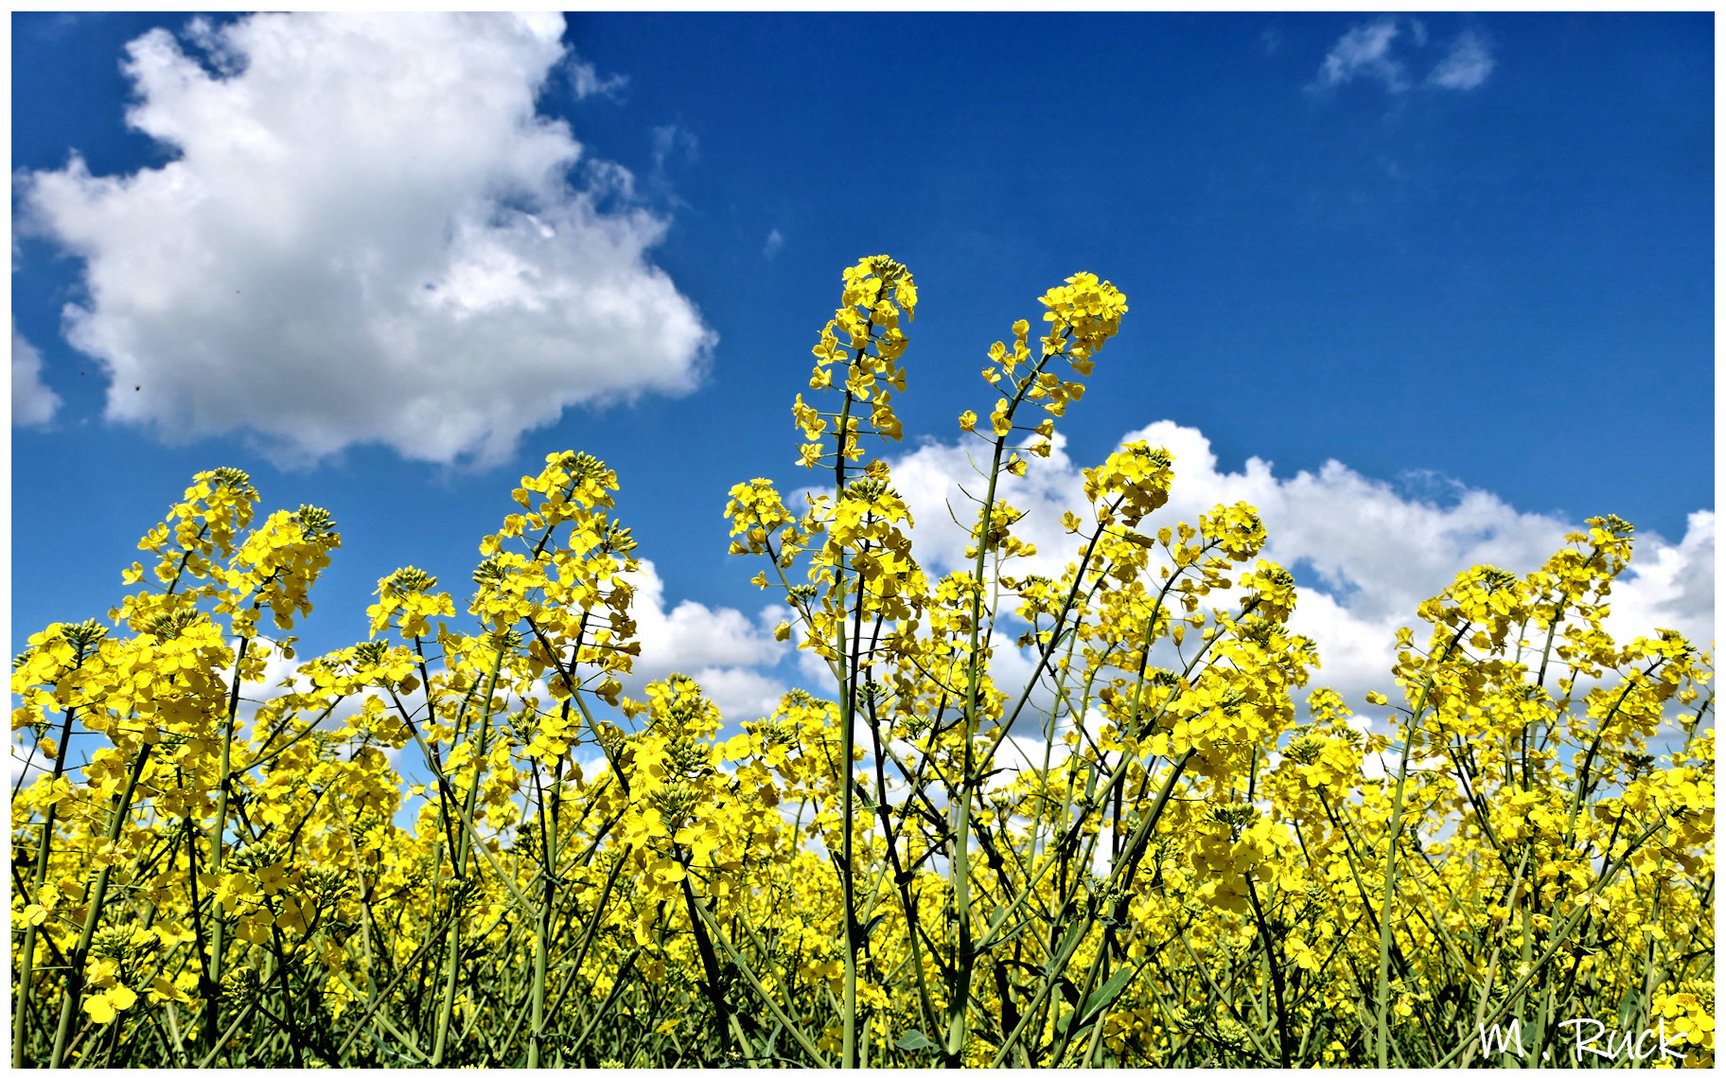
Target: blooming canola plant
[(1200, 871)]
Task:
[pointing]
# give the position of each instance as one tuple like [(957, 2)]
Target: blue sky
[(1429, 289)]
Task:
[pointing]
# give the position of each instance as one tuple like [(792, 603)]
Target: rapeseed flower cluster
[(459, 842)]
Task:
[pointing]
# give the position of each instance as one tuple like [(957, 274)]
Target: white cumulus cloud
[(729, 654), (1669, 586), (1364, 552), (33, 404), (366, 235)]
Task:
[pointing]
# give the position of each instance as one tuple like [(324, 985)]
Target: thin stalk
[(847, 710), (1270, 943), (1123, 871), (1382, 999), (542, 931), (446, 1008), (748, 974), (21, 1008), (92, 915), (847, 887), (959, 1003), (212, 1009)]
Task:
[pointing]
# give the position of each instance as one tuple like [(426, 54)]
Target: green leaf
[(1068, 989), (1105, 995), (914, 1040)]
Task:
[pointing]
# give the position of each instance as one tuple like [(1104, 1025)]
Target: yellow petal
[(99, 1008)]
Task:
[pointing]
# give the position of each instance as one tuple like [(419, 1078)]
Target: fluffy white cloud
[(367, 235), (1364, 552), (729, 654), (1466, 66), (1018, 753), (1669, 586), (33, 404)]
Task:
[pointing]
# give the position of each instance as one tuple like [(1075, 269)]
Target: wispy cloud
[(730, 655), (672, 143), (1365, 53), (33, 404), (586, 81), (368, 235), (1466, 66), (775, 241), (1372, 52)]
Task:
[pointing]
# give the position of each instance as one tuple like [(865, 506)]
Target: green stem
[(958, 1005), (92, 915), (21, 1008), (446, 1008), (847, 804), (212, 1009), (748, 974), (542, 932), (1122, 877), (1384, 915)]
